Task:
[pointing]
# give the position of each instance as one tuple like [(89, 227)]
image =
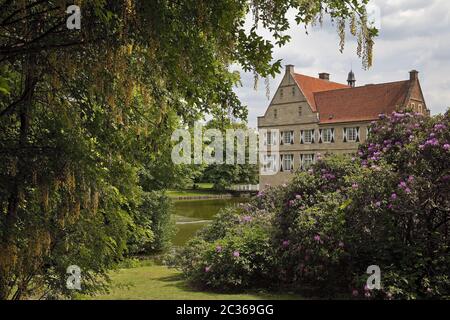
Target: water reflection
[(192, 215)]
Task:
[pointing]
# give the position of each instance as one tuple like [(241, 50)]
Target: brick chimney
[(413, 75), (324, 76)]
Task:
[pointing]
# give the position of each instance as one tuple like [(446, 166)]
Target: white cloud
[(414, 34)]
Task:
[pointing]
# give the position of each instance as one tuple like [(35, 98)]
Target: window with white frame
[(287, 137), (269, 163), (352, 134), (308, 136), (287, 162), (327, 135), (269, 138), (306, 160)]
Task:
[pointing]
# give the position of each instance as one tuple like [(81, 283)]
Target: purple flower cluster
[(328, 176), (246, 219), (404, 186)]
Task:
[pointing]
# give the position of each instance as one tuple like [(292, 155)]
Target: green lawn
[(156, 282), (203, 189)]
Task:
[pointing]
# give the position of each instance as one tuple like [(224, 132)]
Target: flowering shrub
[(401, 210), (388, 206), (241, 257)]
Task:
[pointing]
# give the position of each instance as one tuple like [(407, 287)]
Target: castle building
[(315, 116)]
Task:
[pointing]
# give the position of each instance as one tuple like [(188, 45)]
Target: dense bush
[(152, 227), (388, 206)]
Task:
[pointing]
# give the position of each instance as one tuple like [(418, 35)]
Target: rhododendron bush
[(387, 206)]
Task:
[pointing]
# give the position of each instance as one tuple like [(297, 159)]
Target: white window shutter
[(345, 134), (313, 135), (274, 138), (292, 137), (332, 135), (265, 138), (281, 138), (301, 161), (357, 134)]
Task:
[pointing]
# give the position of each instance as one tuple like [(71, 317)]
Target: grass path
[(155, 282)]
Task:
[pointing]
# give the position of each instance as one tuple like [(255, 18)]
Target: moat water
[(192, 215)]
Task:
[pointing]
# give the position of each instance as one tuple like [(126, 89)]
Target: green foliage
[(223, 176), (388, 207), (158, 207)]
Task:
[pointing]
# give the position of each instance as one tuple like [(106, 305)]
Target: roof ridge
[(360, 87), (318, 79)]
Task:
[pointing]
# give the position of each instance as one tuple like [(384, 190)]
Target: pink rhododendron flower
[(219, 249), (236, 254), (207, 269)]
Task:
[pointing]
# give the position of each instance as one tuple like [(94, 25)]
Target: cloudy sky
[(414, 34)]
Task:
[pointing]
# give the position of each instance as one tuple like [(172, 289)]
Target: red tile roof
[(360, 103), (310, 85), (337, 102)]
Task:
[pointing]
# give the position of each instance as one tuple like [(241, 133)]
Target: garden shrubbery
[(388, 206)]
